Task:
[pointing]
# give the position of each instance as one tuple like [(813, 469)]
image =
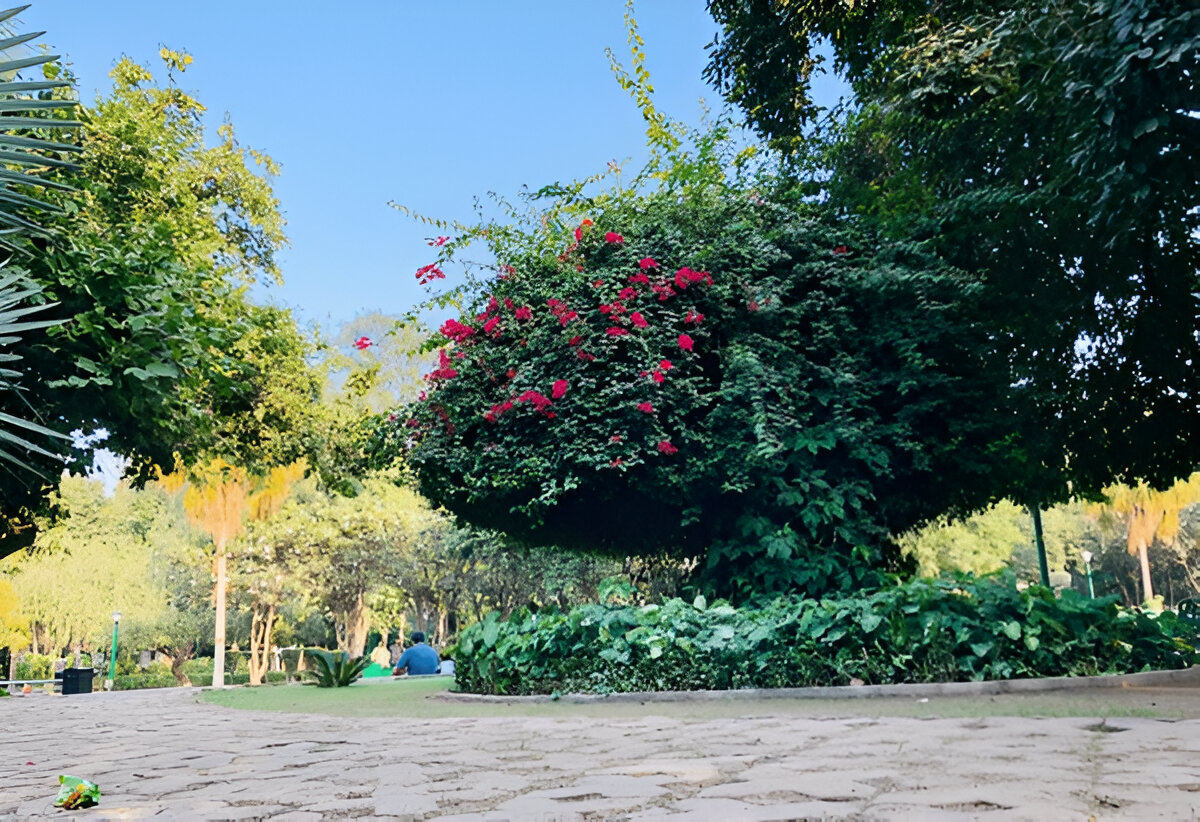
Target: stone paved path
[(159, 753)]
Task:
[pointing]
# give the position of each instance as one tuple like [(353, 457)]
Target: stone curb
[(1184, 677)]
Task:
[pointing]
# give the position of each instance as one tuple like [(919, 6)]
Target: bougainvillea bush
[(731, 375), (922, 631)]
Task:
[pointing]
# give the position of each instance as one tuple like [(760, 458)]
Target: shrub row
[(921, 631)]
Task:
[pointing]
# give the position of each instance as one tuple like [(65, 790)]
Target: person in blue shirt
[(417, 660)]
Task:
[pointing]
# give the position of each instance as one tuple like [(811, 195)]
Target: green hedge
[(157, 675), (35, 666), (922, 631)]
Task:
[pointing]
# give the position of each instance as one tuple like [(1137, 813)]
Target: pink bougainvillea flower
[(648, 262), (627, 293), (613, 237), (645, 407), (597, 283), (658, 377), (616, 331), (490, 325), (506, 271), (694, 317), (536, 399), (574, 341), (440, 241), (412, 423), (492, 304), (508, 303), (363, 343), (428, 273), (605, 308), (585, 356), (638, 320), (615, 463), (510, 373), (665, 365), (523, 313), (752, 306), (640, 278), (681, 277), (841, 249), (665, 447), (566, 318), (579, 234), (456, 331), (685, 342), (444, 371), (615, 438), (558, 389)]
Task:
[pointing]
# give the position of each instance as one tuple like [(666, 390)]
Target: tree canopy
[(1050, 149), (727, 375)]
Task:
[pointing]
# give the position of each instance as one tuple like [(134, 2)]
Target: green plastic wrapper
[(76, 793)]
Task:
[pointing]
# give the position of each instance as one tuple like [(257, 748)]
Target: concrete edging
[(1185, 676)]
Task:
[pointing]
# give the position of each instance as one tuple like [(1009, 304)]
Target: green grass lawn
[(410, 698)]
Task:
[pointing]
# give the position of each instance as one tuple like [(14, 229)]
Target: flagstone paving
[(161, 754)]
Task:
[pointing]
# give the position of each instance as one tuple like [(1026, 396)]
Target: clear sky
[(426, 103)]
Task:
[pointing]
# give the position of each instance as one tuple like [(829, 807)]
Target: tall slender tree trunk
[(218, 680), (1144, 561), (355, 640), (1035, 511)]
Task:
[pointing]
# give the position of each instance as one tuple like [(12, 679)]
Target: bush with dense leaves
[(923, 631), (717, 375)]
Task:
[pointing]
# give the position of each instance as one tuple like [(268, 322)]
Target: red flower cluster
[(428, 273), (560, 309), (495, 411), (645, 407), (648, 262), (613, 237), (440, 241), (841, 249), (523, 313), (694, 317), (638, 320), (685, 342), (456, 331), (616, 331), (490, 326), (685, 277), (444, 371), (665, 447), (558, 389), (363, 343), (539, 401)]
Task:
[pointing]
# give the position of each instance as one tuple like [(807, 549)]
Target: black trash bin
[(77, 681)]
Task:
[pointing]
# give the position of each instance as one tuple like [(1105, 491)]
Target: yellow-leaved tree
[(219, 498), (14, 626), (1148, 515)]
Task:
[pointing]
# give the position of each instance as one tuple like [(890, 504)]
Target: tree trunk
[(180, 655), (354, 637), (439, 636), (260, 642), (218, 680), (1144, 561)]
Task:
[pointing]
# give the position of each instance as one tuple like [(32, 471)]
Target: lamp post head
[(1087, 557), (116, 616)]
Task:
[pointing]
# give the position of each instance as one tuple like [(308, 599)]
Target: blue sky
[(429, 104)]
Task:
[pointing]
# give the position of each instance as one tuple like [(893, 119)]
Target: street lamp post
[(112, 657), (1087, 569)]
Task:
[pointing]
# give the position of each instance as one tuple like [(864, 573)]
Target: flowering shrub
[(710, 376)]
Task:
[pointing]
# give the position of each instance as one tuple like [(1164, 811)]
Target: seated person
[(418, 660)]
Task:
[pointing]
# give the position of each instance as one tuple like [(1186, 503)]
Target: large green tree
[(1050, 148)]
